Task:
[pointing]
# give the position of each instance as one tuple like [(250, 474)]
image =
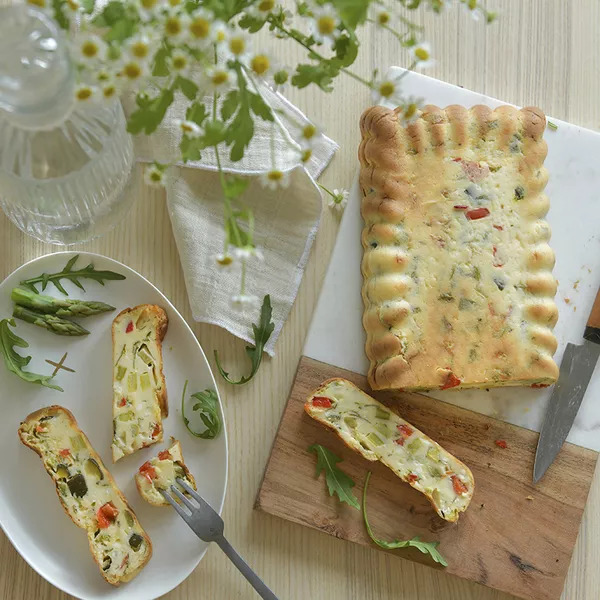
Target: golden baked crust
[(124, 563), (458, 286)]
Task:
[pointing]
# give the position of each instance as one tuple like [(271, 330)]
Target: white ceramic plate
[(30, 512)]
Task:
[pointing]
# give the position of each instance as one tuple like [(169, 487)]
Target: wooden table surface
[(541, 52)]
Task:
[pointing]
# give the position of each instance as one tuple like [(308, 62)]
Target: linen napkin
[(286, 219)]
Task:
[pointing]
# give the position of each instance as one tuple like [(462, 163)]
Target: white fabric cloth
[(286, 220)]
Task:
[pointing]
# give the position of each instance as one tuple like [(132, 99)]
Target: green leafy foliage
[(16, 363), (262, 333), (73, 275), (352, 12), (424, 547), (207, 408), (160, 66), (338, 482), (252, 24), (187, 86), (150, 112), (59, 14), (321, 74)]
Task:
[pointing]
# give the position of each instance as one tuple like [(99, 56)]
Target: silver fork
[(205, 522)]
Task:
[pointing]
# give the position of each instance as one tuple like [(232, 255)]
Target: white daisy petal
[(154, 176), (188, 128), (421, 55), (324, 23), (274, 179)]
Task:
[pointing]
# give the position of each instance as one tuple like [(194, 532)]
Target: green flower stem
[(293, 36), (327, 190)]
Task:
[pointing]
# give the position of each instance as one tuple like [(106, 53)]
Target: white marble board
[(336, 335)]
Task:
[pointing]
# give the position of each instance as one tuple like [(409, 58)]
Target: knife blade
[(576, 370)]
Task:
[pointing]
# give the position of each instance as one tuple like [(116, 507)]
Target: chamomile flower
[(220, 78), (147, 9), (324, 23), (154, 175), (246, 252), (338, 199), (89, 48), (141, 46), (188, 128), (238, 45), (306, 155), (274, 179), (85, 93), (307, 133), (224, 260), (201, 27), (410, 109), (109, 90), (388, 90), (242, 300), (220, 33), (133, 70), (261, 64), (381, 16), (261, 9), (176, 25), (421, 54), (180, 62)]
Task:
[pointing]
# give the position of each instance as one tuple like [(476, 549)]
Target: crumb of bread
[(528, 497)]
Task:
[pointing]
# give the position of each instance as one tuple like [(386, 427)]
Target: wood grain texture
[(540, 52), (514, 537)]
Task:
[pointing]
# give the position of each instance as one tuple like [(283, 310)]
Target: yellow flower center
[(422, 54), (140, 49), (148, 4), (73, 4), (220, 77), (173, 26), (306, 154), (309, 131), (275, 175), (83, 93), (179, 62), (237, 45), (260, 64), (89, 49), (174, 2), (40, 3), (386, 89), (200, 28), (326, 25), (132, 70), (109, 91), (410, 110), (186, 128), (155, 176), (266, 5), (103, 76), (225, 260), (220, 37), (383, 18)]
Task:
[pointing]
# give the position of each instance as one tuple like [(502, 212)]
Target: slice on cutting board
[(458, 286), (88, 493), (159, 473), (139, 390), (377, 433)]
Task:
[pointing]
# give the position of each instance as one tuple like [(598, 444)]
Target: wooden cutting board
[(515, 537)]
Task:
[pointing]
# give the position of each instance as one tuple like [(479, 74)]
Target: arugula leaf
[(262, 333), (338, 482), (150, 113), (15, 362), (208, 407), (88, 272), (424, 547)]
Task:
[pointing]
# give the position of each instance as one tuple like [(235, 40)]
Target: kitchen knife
[(575, 373)]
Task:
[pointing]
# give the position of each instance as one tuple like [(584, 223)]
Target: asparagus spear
[(50, 322), (61, 307)]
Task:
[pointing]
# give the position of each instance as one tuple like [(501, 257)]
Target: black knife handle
[(592, 328)]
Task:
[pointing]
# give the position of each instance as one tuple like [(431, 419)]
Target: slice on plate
[(377, 433), (159, 473), (88, 493), (139, 390), (458, 286)]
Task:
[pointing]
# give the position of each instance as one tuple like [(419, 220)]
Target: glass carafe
[(65, 167)]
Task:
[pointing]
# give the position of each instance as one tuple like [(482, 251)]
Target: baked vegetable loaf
[(377, 433), (139, 390), (458, 288), (159, 473), (88, 493)]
